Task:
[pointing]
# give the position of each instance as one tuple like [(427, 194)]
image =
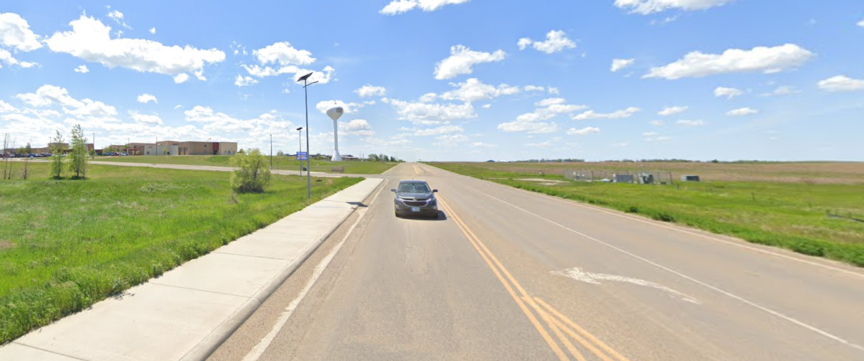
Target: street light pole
[(271, 151), (305, 78), (300, 148)]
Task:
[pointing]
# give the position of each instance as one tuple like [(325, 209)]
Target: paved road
[(506, 274)]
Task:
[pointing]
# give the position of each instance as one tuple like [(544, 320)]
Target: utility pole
[(305, 79), (271, 151)]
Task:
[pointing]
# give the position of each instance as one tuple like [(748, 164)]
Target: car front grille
[(415, 203)]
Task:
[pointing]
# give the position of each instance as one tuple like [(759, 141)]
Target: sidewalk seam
[(48, 351)]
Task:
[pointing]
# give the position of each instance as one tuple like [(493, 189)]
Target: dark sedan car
[(415, 197)]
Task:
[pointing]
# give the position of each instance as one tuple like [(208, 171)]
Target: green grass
[(65, 244), (282, 163), (788, 215)]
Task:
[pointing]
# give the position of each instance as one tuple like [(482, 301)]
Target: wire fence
[(620, 176)]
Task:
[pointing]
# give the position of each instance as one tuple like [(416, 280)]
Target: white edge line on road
[(716, 289), (256, 352), (682, 230)]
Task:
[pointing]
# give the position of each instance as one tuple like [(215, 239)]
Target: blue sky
[(446, 79)]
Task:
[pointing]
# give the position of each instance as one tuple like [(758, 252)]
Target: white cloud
[(49, 95), (621, 144), (6, 107), (152, 30), (530, 126), (90, 40), (370, 91), (618, 114), (473, 90), (118, 17), (462, 59), (483, 145), (554, 91), (398, 7), (645, 7), (432, 113), (449, 141), (181, 78), (242, 81), (82, 69), (654, 137), (782, 90), (545, 144), (178, 106), (487, 106), (550, 101), (358, 127), (322, 77), (146, 119), (15, 32), (841, 83), (534, 122), (531, 88), (762, 59), (556, 41), (144, 98), (583, 131), (729, 93), (656, 123), (428, 97), (672, 111), (618, 64), (861, 23), (690, 123), (445, 129), (402, 6), (741, 112), (255, 129), (284, 54), (348, 108)]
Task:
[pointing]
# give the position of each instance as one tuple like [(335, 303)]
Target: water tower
[(335, 113)]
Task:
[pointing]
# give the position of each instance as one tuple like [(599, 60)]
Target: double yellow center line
[(560, 325)]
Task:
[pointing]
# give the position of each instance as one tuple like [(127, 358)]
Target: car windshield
[(413, 188)]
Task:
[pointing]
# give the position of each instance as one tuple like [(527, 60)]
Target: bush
[(252, 174)]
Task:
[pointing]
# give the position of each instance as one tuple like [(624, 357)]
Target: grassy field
[(284, 163), (802, 217), (65, 244)]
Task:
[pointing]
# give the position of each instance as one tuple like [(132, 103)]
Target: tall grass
[(65, 244), (794, 216)]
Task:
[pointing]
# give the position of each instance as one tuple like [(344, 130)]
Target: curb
[(217, 337)]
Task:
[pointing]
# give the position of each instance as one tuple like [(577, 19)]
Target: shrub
[(252, 174)]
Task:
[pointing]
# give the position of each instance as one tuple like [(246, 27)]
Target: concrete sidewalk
[(188, 312)]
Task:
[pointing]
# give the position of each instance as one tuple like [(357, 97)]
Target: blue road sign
[(302, 155)]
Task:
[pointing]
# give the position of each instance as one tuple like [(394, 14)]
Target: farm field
[(66, 244), (281, 163), (821, 214)]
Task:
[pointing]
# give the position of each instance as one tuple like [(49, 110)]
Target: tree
[(392, 158), (373, 157), (252, 173), (279, 153), (28, 149), (78, 156), (56, 170)]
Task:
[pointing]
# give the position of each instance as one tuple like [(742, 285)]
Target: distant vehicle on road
[(415, 197)]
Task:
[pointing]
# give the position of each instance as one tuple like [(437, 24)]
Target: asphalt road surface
[(505, 274)]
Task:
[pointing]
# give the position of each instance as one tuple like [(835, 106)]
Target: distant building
[(170, 147), (349, 157)]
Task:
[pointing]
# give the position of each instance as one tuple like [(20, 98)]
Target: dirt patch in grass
[(5, 245)]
